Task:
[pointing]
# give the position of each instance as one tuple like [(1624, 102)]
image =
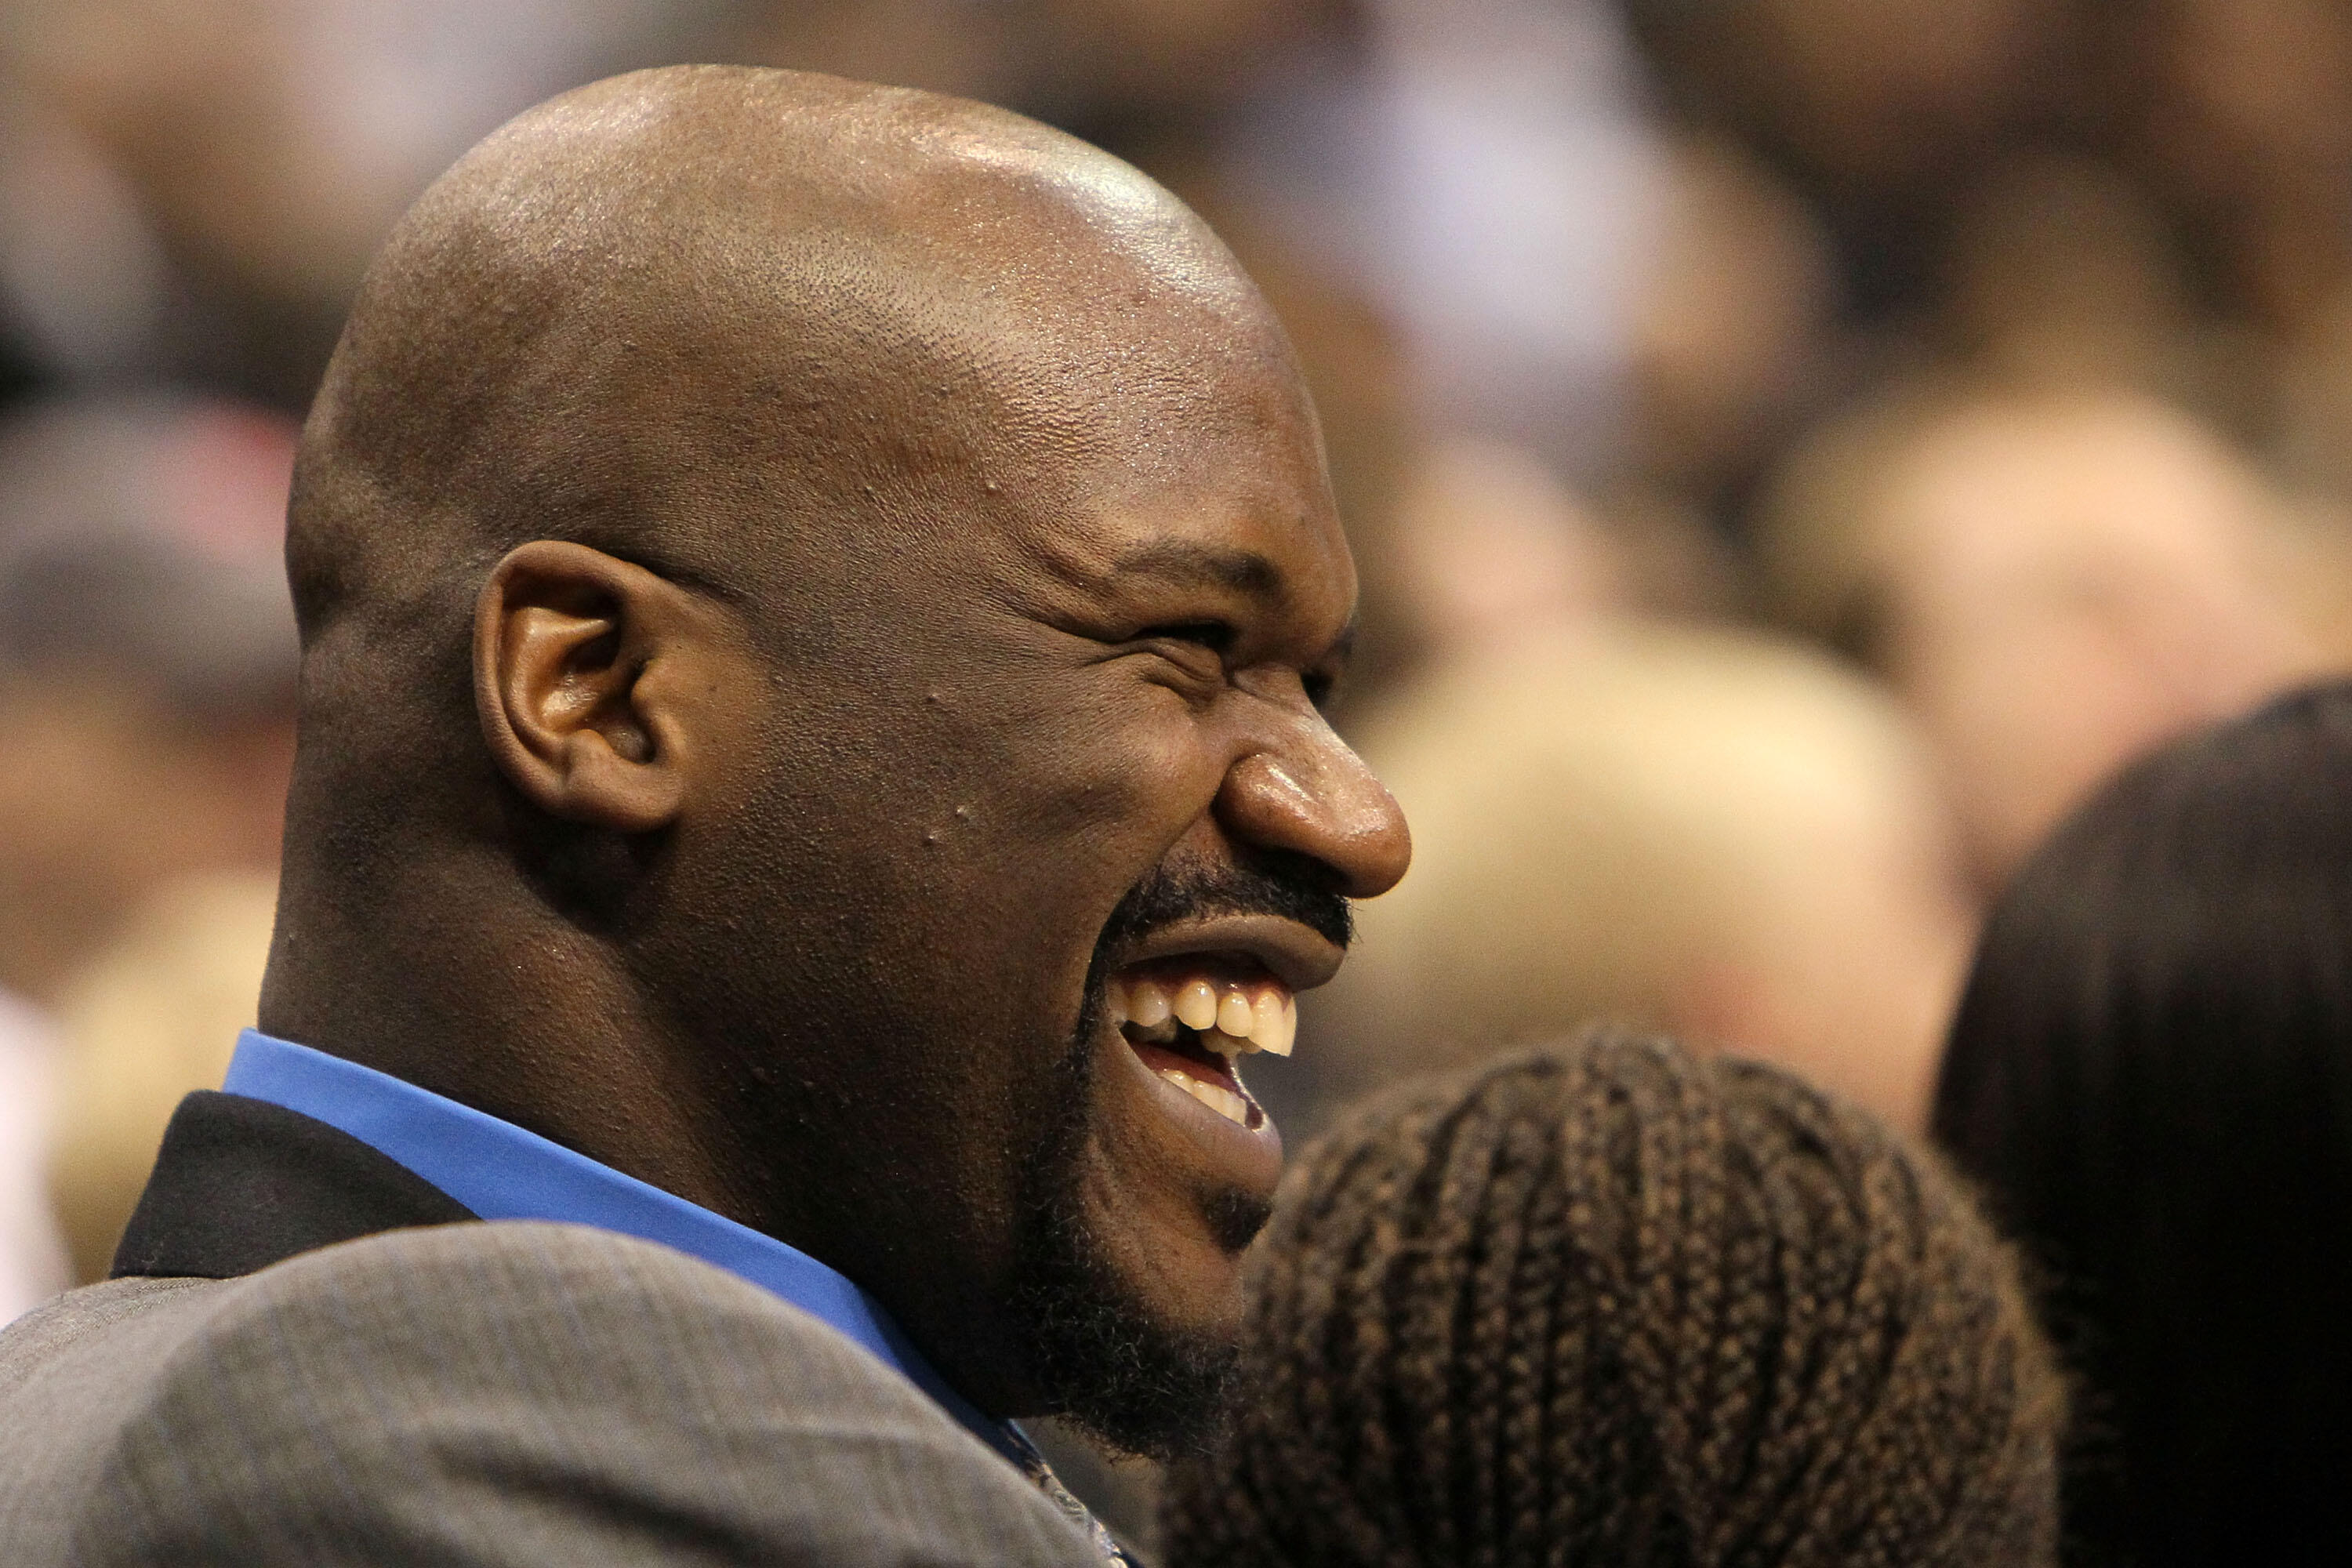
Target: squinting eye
[(1214, 636)]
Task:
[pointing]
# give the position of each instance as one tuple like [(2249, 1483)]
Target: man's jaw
[(1136, 1218)]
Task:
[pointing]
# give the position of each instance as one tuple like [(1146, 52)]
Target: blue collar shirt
[(501, 1172)]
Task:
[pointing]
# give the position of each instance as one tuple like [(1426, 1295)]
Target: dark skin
[(780, 563)]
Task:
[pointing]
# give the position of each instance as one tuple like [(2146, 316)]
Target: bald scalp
[(711, 319)]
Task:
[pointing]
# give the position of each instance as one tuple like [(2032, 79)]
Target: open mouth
[(1190, 1017)]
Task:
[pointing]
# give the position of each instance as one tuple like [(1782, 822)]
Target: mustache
[(1299, 892)]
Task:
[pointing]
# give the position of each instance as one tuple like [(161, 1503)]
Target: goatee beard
[(1102, 1358)]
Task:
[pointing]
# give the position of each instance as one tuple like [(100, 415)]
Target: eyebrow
[(1175, 561)]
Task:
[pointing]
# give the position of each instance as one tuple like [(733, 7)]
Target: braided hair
[(1617, 1304)]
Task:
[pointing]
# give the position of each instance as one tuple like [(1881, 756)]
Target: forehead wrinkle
[(1185, 563), (1090, 556), (1181, 563)]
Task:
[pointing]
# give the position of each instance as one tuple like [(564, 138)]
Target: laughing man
[(815, 604)]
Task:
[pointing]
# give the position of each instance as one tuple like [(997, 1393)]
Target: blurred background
[(1795, 449)]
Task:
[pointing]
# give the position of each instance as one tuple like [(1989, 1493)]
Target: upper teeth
[(1231, 1017)]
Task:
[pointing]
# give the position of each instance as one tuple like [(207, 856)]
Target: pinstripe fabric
[(496, 1169), (484, 1393)]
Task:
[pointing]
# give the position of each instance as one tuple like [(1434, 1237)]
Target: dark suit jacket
[(309, 1356)]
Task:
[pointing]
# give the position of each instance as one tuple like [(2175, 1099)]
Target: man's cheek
[(1122, 806)]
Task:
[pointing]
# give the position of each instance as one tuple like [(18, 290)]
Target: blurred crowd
[(1797, 451)]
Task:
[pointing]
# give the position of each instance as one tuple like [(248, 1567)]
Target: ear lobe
[(571, 651)]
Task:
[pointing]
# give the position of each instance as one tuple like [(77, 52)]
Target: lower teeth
[(1223, 1101)]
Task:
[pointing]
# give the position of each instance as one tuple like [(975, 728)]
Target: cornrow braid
[(1616, 1304)]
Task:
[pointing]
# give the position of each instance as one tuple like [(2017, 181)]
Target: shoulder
[(71, 1374), (498, 1292), (527, 1393), (512, 1303)]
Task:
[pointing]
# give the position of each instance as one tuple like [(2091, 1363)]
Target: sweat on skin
[(815, 599)]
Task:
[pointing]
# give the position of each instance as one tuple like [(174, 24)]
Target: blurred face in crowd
[(1845, 970), (1494, 549), (2243, 92), (1866, 95), (1874, 83), (212, 113), (278, 141), (108, 795), (1735, 298), (2244, 121), (1729, 838), (2072, 582), (146, 664)]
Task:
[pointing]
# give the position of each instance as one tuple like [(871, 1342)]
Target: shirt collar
[(501, 1171)]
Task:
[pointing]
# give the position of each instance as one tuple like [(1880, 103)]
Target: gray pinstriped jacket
[(472, 1394)]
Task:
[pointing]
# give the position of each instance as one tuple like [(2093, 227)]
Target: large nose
[(1316, 797)]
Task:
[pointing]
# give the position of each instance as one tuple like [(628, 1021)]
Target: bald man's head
[(815, 599), (662, 305)]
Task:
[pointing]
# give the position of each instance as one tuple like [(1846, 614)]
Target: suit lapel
[(241, 1183)]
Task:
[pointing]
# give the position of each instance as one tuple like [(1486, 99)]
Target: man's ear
[(584, 671)]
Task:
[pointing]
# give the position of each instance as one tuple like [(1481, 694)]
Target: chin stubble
[(1102, 1357)]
